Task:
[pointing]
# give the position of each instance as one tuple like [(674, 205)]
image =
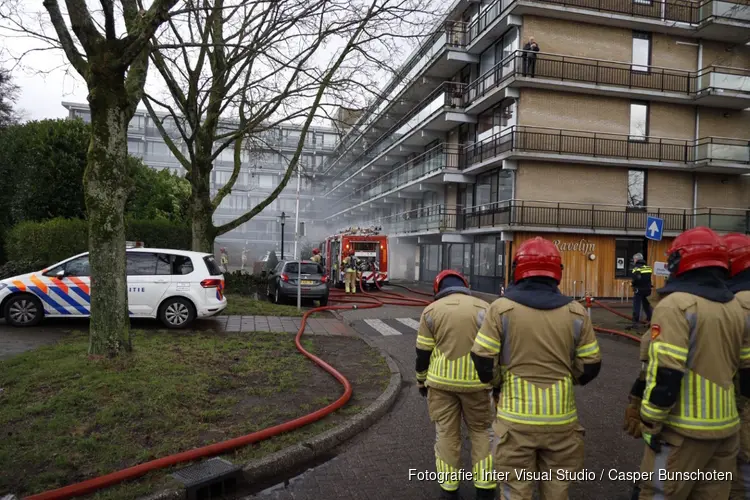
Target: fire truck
[(370, 249)]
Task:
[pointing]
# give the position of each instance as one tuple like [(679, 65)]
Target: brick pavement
[(375, 464)]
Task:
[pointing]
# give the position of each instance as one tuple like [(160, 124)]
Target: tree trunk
[(105, 189), (201, 209)]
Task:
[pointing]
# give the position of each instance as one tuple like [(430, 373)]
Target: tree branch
[(68, 45)]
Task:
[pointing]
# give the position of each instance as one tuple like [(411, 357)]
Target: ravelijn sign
[(583, 246)]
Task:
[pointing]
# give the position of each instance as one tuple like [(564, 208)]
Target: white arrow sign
[(653, 228)]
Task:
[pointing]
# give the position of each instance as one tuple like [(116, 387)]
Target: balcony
[(427, 61), (709, 154), (426, 220), (713, 19), (714, 86), (519, 215), (439, 112), (406, 177)]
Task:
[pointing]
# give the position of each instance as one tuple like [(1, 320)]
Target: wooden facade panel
[(581, 274)]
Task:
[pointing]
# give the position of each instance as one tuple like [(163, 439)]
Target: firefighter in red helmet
[(545, 344), (316, 256), (738, 246), (446, 376), (697, 344)]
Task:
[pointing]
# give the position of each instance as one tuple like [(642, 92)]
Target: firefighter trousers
[(680, 470), (350, 281), (446, 409), (741, 481), (545, 457)]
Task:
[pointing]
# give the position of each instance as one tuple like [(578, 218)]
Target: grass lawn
[(247, 306), (66, 417)]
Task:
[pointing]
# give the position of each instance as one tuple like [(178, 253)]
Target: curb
[(296, 455)]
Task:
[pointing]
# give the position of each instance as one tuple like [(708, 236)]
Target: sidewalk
[(314, 326)]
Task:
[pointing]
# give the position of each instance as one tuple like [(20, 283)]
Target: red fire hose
[(136, 471), (364, 301), (614, 311)]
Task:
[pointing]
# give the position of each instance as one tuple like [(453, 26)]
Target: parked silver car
[(282, 282)]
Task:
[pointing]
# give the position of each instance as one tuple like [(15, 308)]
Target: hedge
[(57, 239)]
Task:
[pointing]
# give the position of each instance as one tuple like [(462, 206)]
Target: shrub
[(241, 283), (16, 267), (57, 239)]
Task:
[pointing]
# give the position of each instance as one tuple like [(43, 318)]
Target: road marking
[(382, 328), (411, 323)]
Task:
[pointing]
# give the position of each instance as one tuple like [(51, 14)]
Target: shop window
[(624, 251), (636, 189)]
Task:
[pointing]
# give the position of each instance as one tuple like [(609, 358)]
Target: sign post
[(654, 228)]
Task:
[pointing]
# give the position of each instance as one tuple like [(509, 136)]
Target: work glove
[(632, 423), (422, 389)]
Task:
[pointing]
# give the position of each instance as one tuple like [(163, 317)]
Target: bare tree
[(237, 69), (8, 95), (114, 67)]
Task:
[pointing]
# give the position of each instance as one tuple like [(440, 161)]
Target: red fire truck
[(370, 249)]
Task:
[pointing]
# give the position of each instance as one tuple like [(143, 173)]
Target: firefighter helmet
[(738, 246), (315, 251), (696, 248), (537, 257), (444, 274)]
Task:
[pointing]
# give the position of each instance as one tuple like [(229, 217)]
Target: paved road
[(375, 464)]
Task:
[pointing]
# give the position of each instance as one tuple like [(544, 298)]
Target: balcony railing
[(432, 218), (594, 144), (447, 95), (692, 13), (431, 161), (598, 216), (617, 74)]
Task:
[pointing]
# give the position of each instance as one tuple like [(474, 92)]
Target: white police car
[(175, 286)]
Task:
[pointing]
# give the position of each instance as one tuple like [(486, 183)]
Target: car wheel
[(268, 290), (324, 301), (277, 297), (177, 313), (24, 310)]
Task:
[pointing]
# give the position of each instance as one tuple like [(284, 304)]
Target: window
[(222, 177), (163, 264), (293, 268), (135, 147), (624, 251), (638, 121), (641, 51), (265, 181), (213, 268), (141, 264), (181, 265), (636, 189), (75, 267)]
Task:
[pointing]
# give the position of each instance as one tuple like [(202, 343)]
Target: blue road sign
[(654, 226)]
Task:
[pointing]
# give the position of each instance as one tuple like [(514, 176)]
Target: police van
[(175, 286)]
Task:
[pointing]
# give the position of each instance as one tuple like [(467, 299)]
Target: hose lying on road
[(364, 301), (614, 311)]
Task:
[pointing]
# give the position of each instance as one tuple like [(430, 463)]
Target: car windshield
[(292, 268)]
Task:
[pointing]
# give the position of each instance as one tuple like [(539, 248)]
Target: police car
[(174, 286)]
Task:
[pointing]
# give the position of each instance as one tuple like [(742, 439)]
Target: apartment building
[(261, 173), (631, 108)]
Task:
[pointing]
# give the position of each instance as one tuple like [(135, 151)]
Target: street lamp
[(282, 220)]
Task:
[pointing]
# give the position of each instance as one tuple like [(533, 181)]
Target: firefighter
[(739, 284), (689, 415), (546, 344), (446, 376), (350, 268), (641, 289), (316, 256)]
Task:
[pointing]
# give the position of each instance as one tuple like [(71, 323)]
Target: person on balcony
[(641, 289), (529, 57)]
